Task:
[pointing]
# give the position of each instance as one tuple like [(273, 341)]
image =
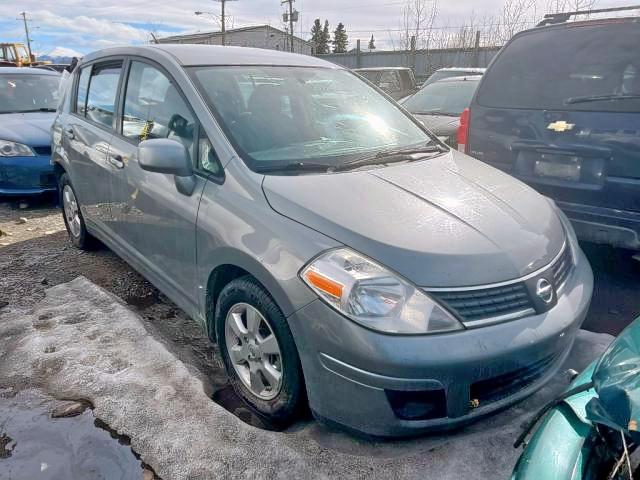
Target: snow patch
[(81, 342)]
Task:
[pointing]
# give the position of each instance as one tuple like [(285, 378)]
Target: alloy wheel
[(71, 211), (254, 351)]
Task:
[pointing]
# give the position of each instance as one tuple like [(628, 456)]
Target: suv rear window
[(565, 68)]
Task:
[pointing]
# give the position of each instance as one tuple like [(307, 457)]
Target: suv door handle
[(70, 133), (116, 161)]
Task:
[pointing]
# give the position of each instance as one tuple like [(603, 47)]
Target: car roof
[(192, 55), (27, 71), (374, 69), (462, 69), (580, 23), (464, 78)]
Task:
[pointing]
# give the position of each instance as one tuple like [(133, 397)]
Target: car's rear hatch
[(560, 109)]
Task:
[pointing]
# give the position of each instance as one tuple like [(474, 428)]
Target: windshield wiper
[(294, 167), (42, 109), (596, 98), (392, 156)]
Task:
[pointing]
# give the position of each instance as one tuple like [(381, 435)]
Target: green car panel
[(562, 447), (557, 448)]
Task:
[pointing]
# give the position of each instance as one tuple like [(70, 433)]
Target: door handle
[(70, 133), (116, 161)]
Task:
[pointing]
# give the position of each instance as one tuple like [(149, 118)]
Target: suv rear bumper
[(619, 228), (393, 385)]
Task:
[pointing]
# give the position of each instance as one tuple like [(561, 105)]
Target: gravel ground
[(35, 255)]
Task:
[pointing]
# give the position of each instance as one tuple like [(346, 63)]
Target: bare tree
[(418, 18), (516, 15), (559, 6)]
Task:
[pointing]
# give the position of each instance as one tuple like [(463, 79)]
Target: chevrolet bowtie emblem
[(560, 126)]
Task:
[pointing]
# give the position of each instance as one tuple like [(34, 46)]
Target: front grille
[(46, 150), (473, 305), (503, 386), (499, 303), (562, 268)]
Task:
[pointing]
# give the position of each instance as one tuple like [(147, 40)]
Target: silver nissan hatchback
[(340, 255)]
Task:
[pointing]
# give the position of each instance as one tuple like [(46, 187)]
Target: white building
[(258, 36)]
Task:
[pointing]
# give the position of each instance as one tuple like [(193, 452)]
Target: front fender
[(236, 226)]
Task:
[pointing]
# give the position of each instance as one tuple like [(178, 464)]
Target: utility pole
[(292, 16), (222, 2), (26, 31)]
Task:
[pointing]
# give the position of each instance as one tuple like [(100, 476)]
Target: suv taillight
[(462, 137)]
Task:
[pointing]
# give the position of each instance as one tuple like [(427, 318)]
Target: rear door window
[(103, 89), (83, 87), (585, 67)]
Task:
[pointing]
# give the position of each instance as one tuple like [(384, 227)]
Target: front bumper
[(392, 385), (26, 175)]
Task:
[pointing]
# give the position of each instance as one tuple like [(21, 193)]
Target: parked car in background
[(398, 82), (449, 72), (322, 236), (56, 67), (568, 123), (583, 434), (28, 101), (439, 105)]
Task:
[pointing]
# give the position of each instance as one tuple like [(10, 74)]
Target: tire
[(246, 363), (73, 219)]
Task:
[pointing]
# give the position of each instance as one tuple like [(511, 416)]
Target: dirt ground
[(35, 254)]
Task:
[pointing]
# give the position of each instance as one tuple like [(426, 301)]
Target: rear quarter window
[(547, 68)]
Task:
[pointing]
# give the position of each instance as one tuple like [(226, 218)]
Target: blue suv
[(559, 108)]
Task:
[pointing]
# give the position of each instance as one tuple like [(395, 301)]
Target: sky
[(81, 26)]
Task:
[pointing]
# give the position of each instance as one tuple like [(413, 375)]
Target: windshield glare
[(24, 92), (442, 98), (288, 115)]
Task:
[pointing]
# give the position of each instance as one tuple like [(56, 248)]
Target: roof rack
[(555, 18)]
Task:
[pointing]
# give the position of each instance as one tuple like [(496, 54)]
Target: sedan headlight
[(13, 149), (373, 296)]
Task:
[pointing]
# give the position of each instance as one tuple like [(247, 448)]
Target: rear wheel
[(72, 215), (258, 350)]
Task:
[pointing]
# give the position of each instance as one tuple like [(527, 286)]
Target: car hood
[(616, 380), (439, 124), (442, 222), (28, 128)]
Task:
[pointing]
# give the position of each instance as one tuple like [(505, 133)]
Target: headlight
[(13, 149), (373, 296)]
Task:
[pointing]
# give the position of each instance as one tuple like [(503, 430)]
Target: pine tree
[(372, 43), (316, 36), (326, 38), (340, 39)]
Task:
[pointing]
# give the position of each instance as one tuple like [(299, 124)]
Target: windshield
[(282, 116), (442, 98), (563, 68), (28, 93)]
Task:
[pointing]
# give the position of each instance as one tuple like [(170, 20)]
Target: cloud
[(90, 24)]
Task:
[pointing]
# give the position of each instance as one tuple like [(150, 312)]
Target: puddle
[(33, 445)]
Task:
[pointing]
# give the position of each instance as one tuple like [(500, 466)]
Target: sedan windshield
[(288, 116), (442, 98), (28, 93)]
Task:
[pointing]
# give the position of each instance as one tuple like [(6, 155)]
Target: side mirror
[(162, 155)]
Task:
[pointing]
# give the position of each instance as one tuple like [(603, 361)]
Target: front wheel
[(258, 350), (72, 215)]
